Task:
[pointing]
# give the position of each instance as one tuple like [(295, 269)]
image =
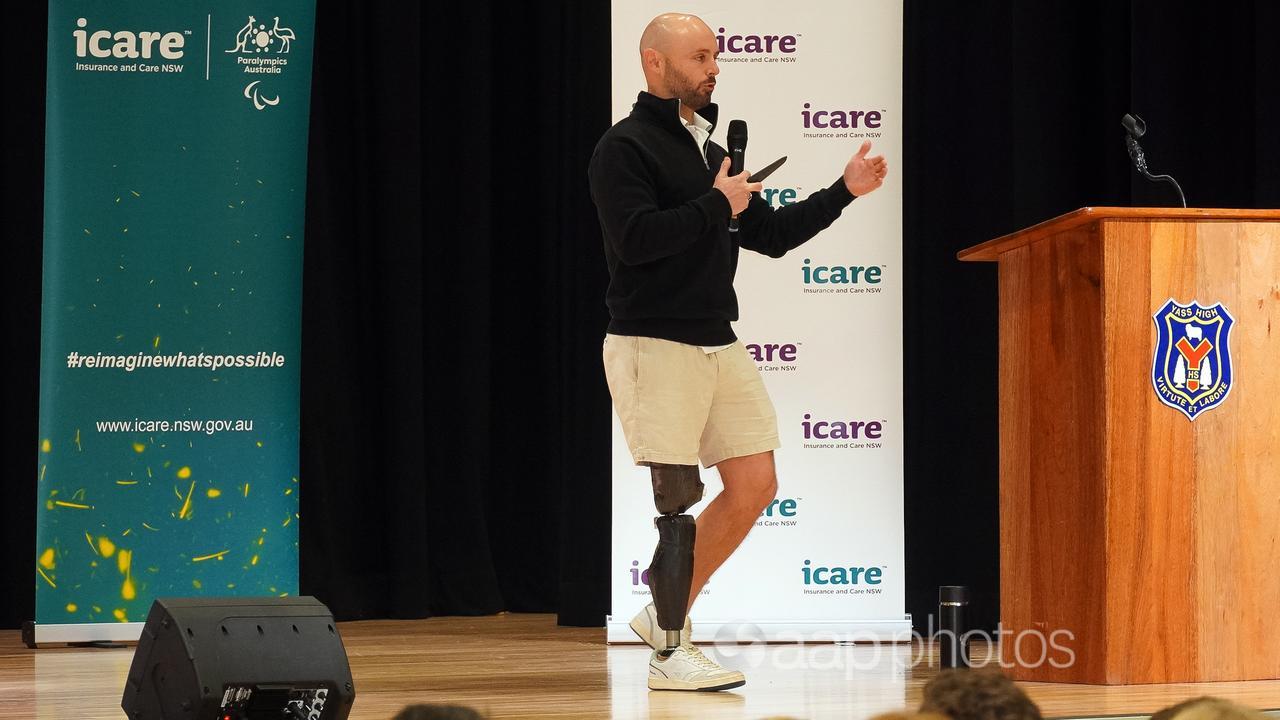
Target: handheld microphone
[(737, 156), (1135, 128)]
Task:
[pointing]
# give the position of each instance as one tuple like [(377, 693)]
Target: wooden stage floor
[(524, 666)]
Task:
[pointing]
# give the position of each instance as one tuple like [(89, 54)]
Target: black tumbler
[(953, 647)]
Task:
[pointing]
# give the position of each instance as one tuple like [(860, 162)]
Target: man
[(682, 385)]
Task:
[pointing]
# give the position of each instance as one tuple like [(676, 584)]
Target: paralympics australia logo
[(259, 50), (1191, 370)]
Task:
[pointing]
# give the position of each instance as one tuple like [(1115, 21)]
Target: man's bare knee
[(750, 480)]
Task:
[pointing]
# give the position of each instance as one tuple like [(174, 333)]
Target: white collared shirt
[(700, 129)]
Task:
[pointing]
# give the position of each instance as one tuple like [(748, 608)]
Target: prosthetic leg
[(675, 489)]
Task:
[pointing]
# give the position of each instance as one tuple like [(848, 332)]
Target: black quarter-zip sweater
[(666, 232)]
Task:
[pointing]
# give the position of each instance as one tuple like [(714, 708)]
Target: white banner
[(813, 80)]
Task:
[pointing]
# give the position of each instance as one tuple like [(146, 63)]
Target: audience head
[(1208, 708), (977, 695)]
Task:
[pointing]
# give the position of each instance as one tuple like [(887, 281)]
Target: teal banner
[(175, 172)]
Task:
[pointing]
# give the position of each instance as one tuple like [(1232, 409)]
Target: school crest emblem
[(1191, 370)]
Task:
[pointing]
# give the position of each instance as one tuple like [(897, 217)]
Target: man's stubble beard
[(688, 92)]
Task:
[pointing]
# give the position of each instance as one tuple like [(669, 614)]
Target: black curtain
[(1012, 117), (455, 438), (455, 430)]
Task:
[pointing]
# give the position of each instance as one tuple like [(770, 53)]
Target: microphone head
[(1133, 125), (737, 133)]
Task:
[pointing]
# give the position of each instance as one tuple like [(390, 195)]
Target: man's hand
[(736, 188), (864, 174)]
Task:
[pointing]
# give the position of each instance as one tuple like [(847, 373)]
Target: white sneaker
[(645, 624), (686, 668)]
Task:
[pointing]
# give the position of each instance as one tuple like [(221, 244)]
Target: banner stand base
[(35, 635)]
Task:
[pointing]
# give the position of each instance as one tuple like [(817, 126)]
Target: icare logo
[(840, 119), (840, 274), (841, 429), (780, 197), (733, 43), (780, 512), (781, 507), (127, 44), (639, 576), (773, 352), (852, 575)]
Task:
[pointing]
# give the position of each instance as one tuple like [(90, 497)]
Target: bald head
[(678, 54), (667, 31)]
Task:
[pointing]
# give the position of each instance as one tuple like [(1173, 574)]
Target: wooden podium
[(1152, 538)]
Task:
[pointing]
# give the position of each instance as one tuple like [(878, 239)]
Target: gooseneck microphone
[(737, 156), (1134, 128)]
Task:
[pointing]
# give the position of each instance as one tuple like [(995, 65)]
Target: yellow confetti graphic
[(149, 527), (89, 539), (124, 561), (197, 584), (184, 472), (289, 491), (217, 555), (214, 492), (43, 469), (127, 590), (259, 443), (71, 607), (254, 561), (73, 506), (126, 482), (106, 547), (46, 446), (135, 193), (156, 343), (139, 448), (48, 504), (47, 559), (185, 512), (47, 579), (78, 448), (246, 489), (120, 615), (286, 522)]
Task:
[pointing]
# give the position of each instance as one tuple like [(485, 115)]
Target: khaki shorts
[(679, 405)]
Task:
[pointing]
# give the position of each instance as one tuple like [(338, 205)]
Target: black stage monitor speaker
[(239, 659)]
